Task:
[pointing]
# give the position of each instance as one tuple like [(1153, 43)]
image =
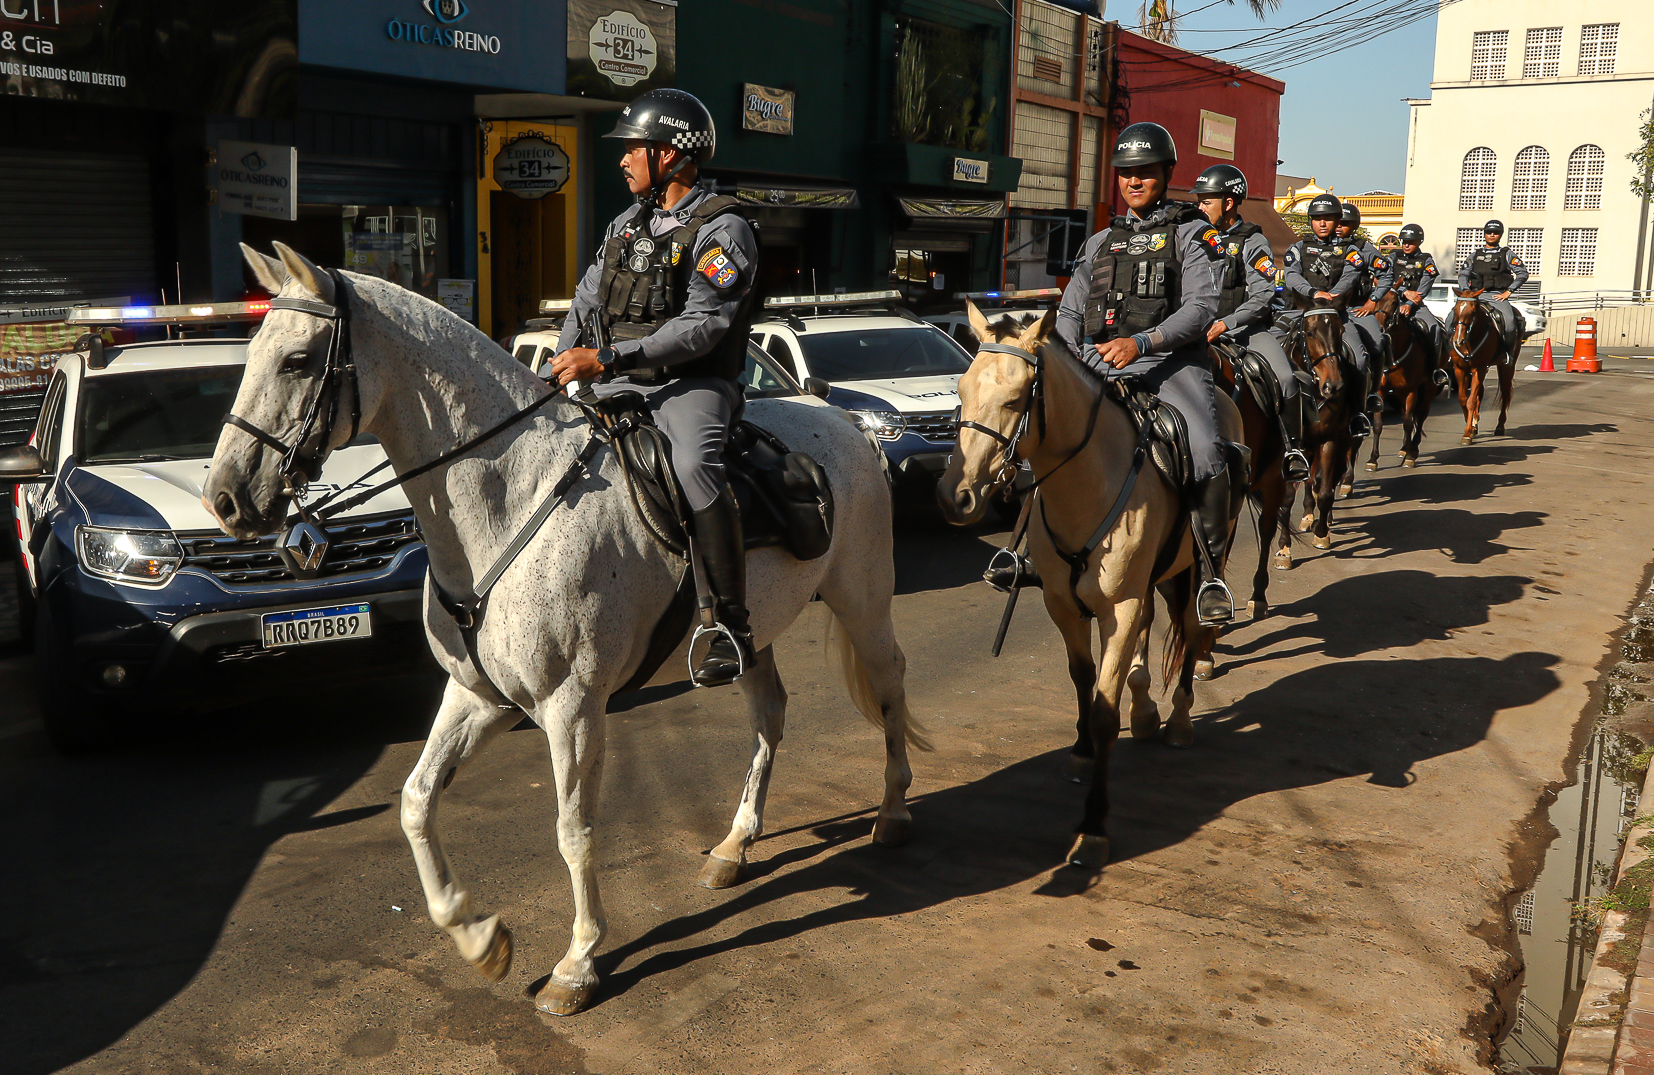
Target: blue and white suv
[(138, 598)]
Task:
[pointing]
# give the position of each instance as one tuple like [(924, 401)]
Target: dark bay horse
[(1316, 344), (1407, 382), (1476, 345)]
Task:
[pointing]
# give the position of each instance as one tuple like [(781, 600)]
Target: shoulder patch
[(715, 266), (1354, 257), (1380, 263), (1291, 255), (1212, 240), (1515, 262), (1265, 266)]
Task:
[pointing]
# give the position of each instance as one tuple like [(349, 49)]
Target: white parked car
[(1440, 302)]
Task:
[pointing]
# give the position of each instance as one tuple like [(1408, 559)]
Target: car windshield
[(155, 415), (883, 352)]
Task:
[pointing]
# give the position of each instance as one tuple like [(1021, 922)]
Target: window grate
[(1476, 179), (1584, 184), (1526, 244), (1599, 47), (1048, 68), (1487, 55), (1542, 53), (1579, 252), (1530, 179), (1466, 243)]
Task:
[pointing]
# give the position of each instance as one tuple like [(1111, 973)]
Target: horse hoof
[(1409, 464), (495, 963), (1306, 522), (1372, 466), (1321, 541), (1181, 736), (1345, 490), (1499, 432), (1079, 769), (1145, 724), (892, 831), (1258, 610), (555, 998), (1090, 853), (720, 873), (1204, 669), (1465, 440), (1283, 559)]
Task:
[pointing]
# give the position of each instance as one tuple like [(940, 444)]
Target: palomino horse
[(1407, 381), (570, 619), (1099, 537), (1317, 344), (1475, 346)]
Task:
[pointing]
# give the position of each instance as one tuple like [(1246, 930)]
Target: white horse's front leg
[(573, 718), (767, 707), (463, 724)]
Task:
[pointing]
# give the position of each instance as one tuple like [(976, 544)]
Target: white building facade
[(1533, 108)]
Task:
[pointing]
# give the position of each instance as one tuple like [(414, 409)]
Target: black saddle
[(1168, 439), (1255, 374)]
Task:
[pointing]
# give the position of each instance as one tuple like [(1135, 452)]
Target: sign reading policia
[(619, 49)]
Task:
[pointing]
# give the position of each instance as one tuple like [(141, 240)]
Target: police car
[(896, 374), (1026, 306), (138, 598)]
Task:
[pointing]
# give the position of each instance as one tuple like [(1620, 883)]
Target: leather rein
[(1469, 355)]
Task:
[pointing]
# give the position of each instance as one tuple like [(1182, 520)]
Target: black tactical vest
[(1232, 292), (645, 283), (1322, 262), (1490, 270), (1136, 277), (1410, 268)]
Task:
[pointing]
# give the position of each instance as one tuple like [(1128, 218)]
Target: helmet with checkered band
[(1223, 179), (670, 116), (1412, 233), (1325, 205)]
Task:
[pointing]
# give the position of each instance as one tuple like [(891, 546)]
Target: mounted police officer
[(1376, 279), (668, 306), (1415, 269), (1143, 294), (1320, 265), (1496, 272), (1247, 290)]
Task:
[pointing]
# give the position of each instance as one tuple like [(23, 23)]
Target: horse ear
[(979, 324), (1044, 327), (269, 272), (299, 268)]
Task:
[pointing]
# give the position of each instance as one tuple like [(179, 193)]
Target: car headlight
[(145, 556), (886, 425)]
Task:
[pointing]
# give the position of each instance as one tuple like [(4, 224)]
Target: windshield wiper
[(115, 459)]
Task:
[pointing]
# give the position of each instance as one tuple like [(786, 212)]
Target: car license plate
[(305, 625)]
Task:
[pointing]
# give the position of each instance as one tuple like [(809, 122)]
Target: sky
[(1342, 118)]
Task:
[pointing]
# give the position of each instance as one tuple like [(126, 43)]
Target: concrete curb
[(1618, 1013)]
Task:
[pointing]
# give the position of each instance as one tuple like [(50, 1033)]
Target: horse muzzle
[(960, 502), (230, 500)]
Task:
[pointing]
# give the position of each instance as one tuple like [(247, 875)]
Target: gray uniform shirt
[(1377, 275), (1183, 333), (1258, 265), (1299, 285), (1518, 271), (708, 312)]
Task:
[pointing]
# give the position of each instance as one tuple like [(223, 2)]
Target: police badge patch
[(715, 266), (1212, 239), (1138, 244), (1158, 242), (1353, 257), (1234, 248), (644, 246), (638, 263), (1264, 265)]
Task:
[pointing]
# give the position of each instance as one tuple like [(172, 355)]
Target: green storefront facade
[(866, 137)]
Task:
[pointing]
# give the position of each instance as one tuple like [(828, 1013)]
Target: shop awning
[(936, 210), (798, 197)]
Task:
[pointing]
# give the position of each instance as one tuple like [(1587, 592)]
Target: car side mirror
[(23, 464), (817, 387)]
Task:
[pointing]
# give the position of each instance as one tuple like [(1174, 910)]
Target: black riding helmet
[(673, 118), (1222, 179), (1350, 215), (1143, 143), (1412, 233), (1495, 226), (1325, 205)]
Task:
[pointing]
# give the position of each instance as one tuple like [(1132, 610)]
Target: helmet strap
[(658, 182)]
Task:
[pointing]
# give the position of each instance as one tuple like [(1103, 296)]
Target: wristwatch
[(606, 358)]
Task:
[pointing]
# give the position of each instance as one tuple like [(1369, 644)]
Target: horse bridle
[(1321, 311), (1008, 460), (1459, 352)]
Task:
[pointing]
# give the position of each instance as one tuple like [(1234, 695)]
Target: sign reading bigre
[(966, 170), (258, 180)]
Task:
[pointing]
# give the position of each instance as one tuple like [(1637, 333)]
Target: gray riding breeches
[(1186, 384), (1367, 333), (695, 413), (1506, 313)]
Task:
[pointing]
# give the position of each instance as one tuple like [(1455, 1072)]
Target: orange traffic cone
[(1545, 363)]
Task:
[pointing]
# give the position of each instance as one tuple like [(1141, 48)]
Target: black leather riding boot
[(1375, 377), (722, 546), (1212, 500), (1294, 464)]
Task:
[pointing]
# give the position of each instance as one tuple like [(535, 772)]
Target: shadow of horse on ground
[(1441, 487), (1464, 537)]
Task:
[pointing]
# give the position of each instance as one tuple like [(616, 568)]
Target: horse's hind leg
[(1082, 671), (1270, 499), (1378, 433), (463, 724), (1507, 376), (767, 708), (1180, 607), (874, 673), (1145, 715)]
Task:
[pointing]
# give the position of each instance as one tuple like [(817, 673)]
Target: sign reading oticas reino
[(227, 57), (484, 44)]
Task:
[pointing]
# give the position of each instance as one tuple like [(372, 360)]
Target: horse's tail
[(842, 655), (1177, 638)]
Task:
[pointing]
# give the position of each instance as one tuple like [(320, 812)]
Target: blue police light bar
[(187, 314), (849, 298), (1036, 294)]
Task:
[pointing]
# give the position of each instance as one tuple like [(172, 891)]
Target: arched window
[(1584, 190), (1476, 179), (1531, 178)]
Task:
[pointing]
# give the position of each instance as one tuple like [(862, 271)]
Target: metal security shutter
[(76, 225)]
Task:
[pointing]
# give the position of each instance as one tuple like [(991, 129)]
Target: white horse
[(569, 621)]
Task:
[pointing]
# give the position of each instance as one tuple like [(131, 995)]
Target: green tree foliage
[(1642, 176)]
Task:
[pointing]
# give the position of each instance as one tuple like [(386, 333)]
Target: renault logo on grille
[(304, 548)]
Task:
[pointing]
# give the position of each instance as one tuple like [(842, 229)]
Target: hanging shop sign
[(952, 209), (766, 109), (253, 179), (225, 58), (1217, 135), (479, 43), (30, 352), (966, 170), (799, 197), (531, 166), (618, 49)]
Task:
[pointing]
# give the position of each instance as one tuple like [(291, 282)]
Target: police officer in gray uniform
[(1376, 279), (1415, 270), (1143, 294), (1496, 269), (1321, 266), (665, 311), (1245, 294)]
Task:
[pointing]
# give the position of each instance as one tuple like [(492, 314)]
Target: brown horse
[(1106, 530), (1475, 346), (1407, 381), (1317, 345)]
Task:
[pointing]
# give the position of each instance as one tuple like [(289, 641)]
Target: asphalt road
[(1318, 885)]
